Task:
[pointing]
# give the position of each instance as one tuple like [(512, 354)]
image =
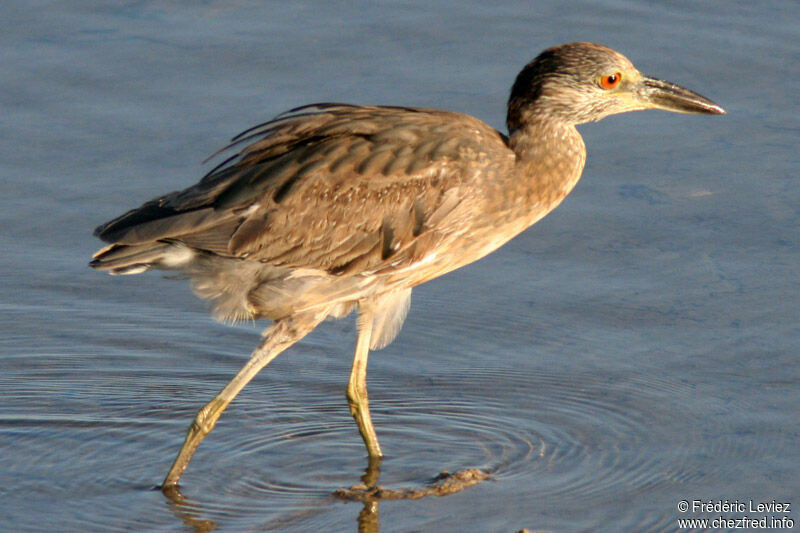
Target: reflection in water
[(368, 518), (369, 492), (579, 442), (188, 512)]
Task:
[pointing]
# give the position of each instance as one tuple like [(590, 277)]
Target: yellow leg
[(357, 386), (276, 339)]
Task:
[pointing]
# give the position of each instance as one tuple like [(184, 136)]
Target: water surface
[(636, 348)]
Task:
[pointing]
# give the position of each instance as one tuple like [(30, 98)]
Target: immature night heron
[(332, 206)]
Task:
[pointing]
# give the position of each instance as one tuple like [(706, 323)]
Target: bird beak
[(660, 94)]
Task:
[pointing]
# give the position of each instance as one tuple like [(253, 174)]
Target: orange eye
[(610, 81)]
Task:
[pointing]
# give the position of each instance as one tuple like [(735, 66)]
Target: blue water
[(636, 348)]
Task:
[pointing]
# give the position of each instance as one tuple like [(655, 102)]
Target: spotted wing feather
[(334, 187)]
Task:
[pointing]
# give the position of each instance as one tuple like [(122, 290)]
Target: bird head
[(584, 82)]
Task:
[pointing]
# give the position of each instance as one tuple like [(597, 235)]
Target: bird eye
[(611, 81)]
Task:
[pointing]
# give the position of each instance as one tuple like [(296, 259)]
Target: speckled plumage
[(330, 206), (332, 203)]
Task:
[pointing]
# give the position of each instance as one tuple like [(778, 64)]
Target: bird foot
[(442, 485)]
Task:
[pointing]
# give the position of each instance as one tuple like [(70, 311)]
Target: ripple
[(288, 442), (605, 433), (580, 436)]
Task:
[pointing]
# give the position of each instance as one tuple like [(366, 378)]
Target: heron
[(332, 207)]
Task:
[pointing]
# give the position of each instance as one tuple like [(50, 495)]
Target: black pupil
[(611, 80)]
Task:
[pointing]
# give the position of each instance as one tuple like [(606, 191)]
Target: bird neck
[(550, 158)]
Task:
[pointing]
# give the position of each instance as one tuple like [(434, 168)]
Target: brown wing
[(329, 186)]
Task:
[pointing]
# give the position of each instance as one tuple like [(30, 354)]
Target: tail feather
[(137, 258)]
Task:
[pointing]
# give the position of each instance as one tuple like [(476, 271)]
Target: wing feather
[(330, 186)]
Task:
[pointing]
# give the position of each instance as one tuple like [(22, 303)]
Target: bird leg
[(357, 386), (282, 334)]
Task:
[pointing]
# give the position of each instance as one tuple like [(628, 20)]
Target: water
[(636, 348)]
